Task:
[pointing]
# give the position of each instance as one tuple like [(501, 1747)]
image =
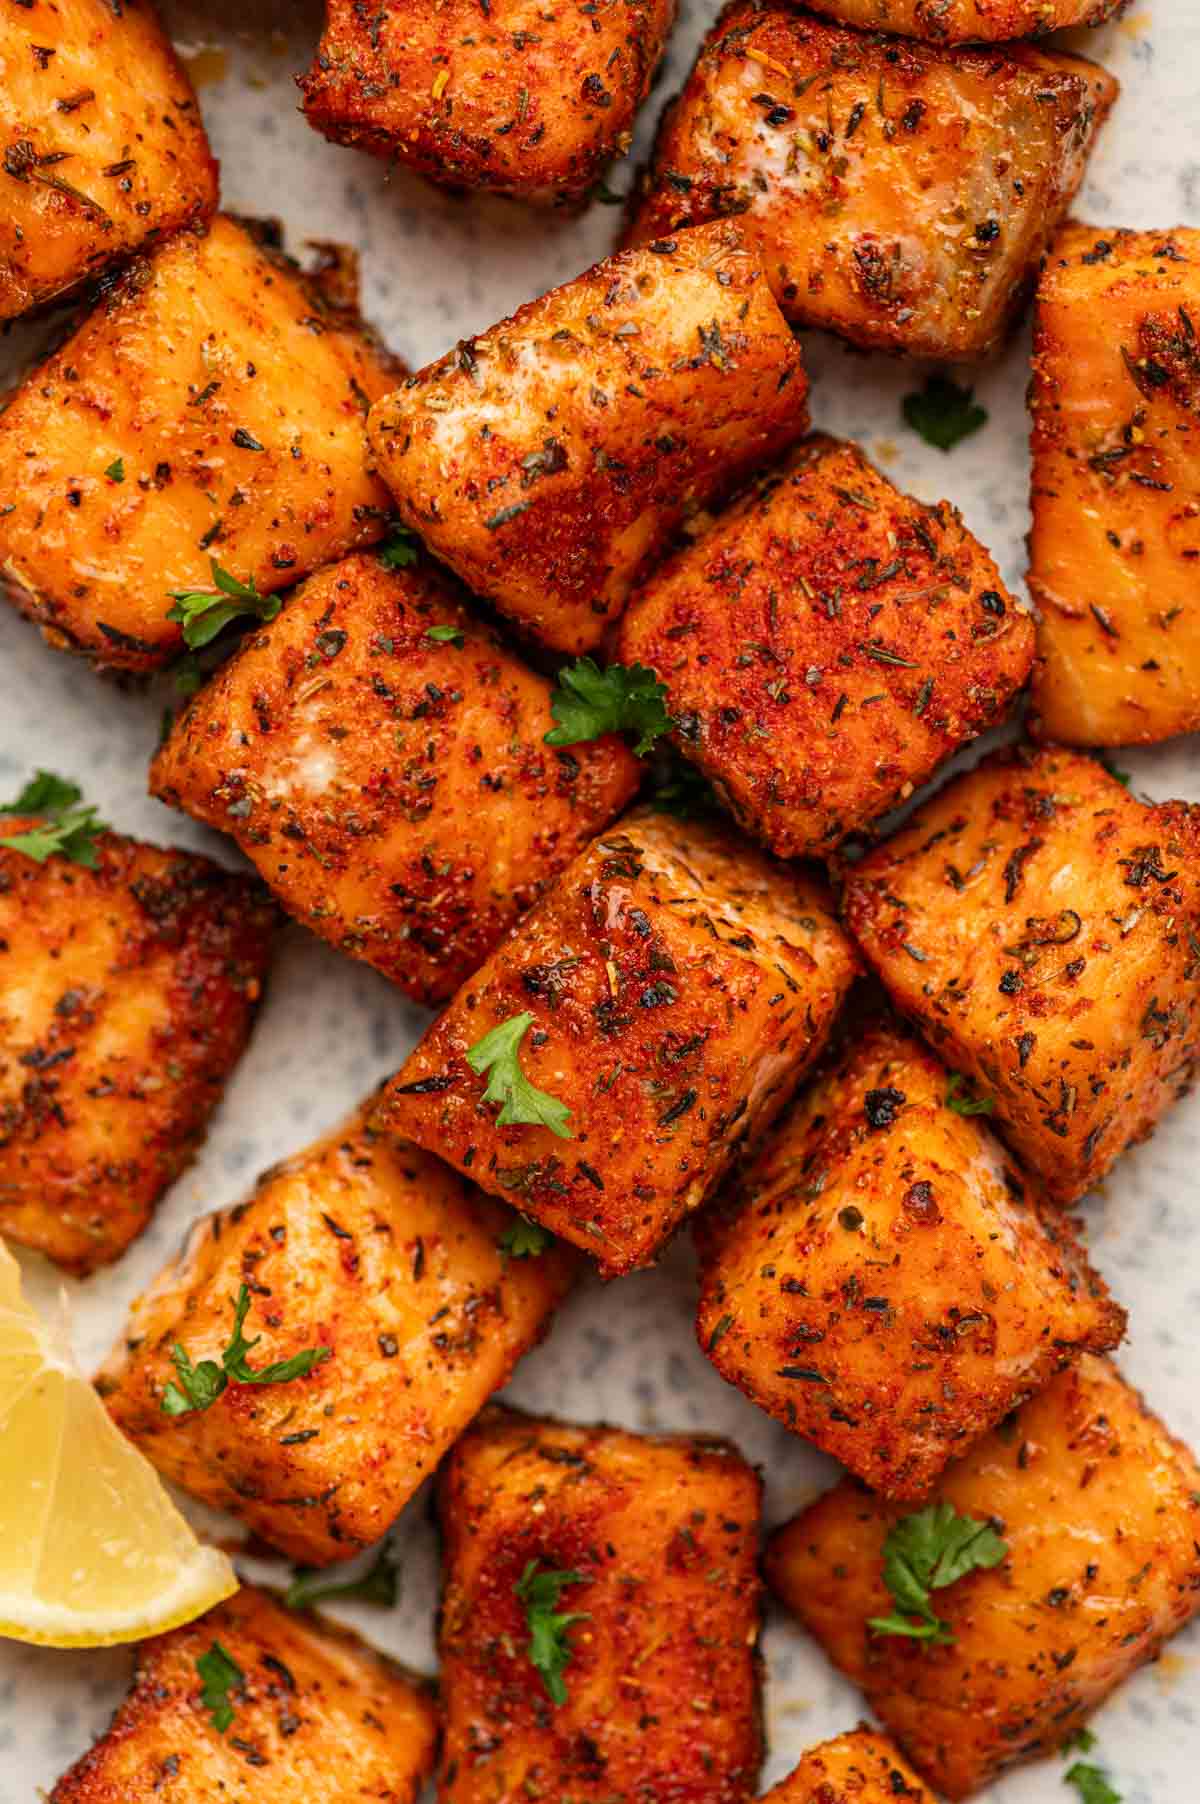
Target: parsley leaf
[(44, 794), (219, 1674), (1091, 1784), (200, 1385), (624, 698), (549, 1649), (960, 1099), (73, 835), (204, 612), (447, 635), (1123, 777), (116, 470), (379, 1584), (1082, 1742), (522, 1104), (679, 789), (68, 830), (525, 1239), (188, 674), (399, 550), (924, 1553), (943, 413)]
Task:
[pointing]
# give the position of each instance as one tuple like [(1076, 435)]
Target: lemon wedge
[(92, 1550)]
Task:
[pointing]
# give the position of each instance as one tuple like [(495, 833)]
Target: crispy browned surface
[(126, 996), (826, 644), (320, 1717), (524, 97), (859, 1768), (1043, 928), (910, 226), (379, 1253), (394, 791), (662, 1684), (1115, 547), (680, 983), (1100, 1507), (952, 21), (883, 1281), (212, 340), (101, 145), (549, 460)]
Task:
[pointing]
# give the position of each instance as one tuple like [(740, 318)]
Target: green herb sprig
[(924, 1553), (201, 1384), (942, 413), (525, 1239), (400, 550), (220, 1674), (680, 790), (959, 1099), (1092, 1783), (522, 1104), (70, 829), (623, 698), (549, 1650), (379, 1584), (203, 613)]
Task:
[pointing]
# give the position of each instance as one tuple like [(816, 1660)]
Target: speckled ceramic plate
[(436, 268)]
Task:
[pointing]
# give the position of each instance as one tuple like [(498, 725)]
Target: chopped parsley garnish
[(219, 1674), (45, 793), (447, 635), (549, 1650), (1092, 1783), (679, 789), (68, 831), (525, 1239), (116, 470), (925, 1553), (522, 1104), (399, 549), (943, 413), (961, 1100), (200, 1385), (188, 674), (204, 612), (624, 698), (379, 1584)]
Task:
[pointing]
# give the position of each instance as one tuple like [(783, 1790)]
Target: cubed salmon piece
[(1099, 1508), (104, 151), (127, 994), (1114, 555), (658, 1537), (549, 460), (393, 1267), (826, 644), (901, 194), (393, 787), (514, 96), (883, 1281), (126, 472), (1042, 927), (668, 992), (316, 1714)]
